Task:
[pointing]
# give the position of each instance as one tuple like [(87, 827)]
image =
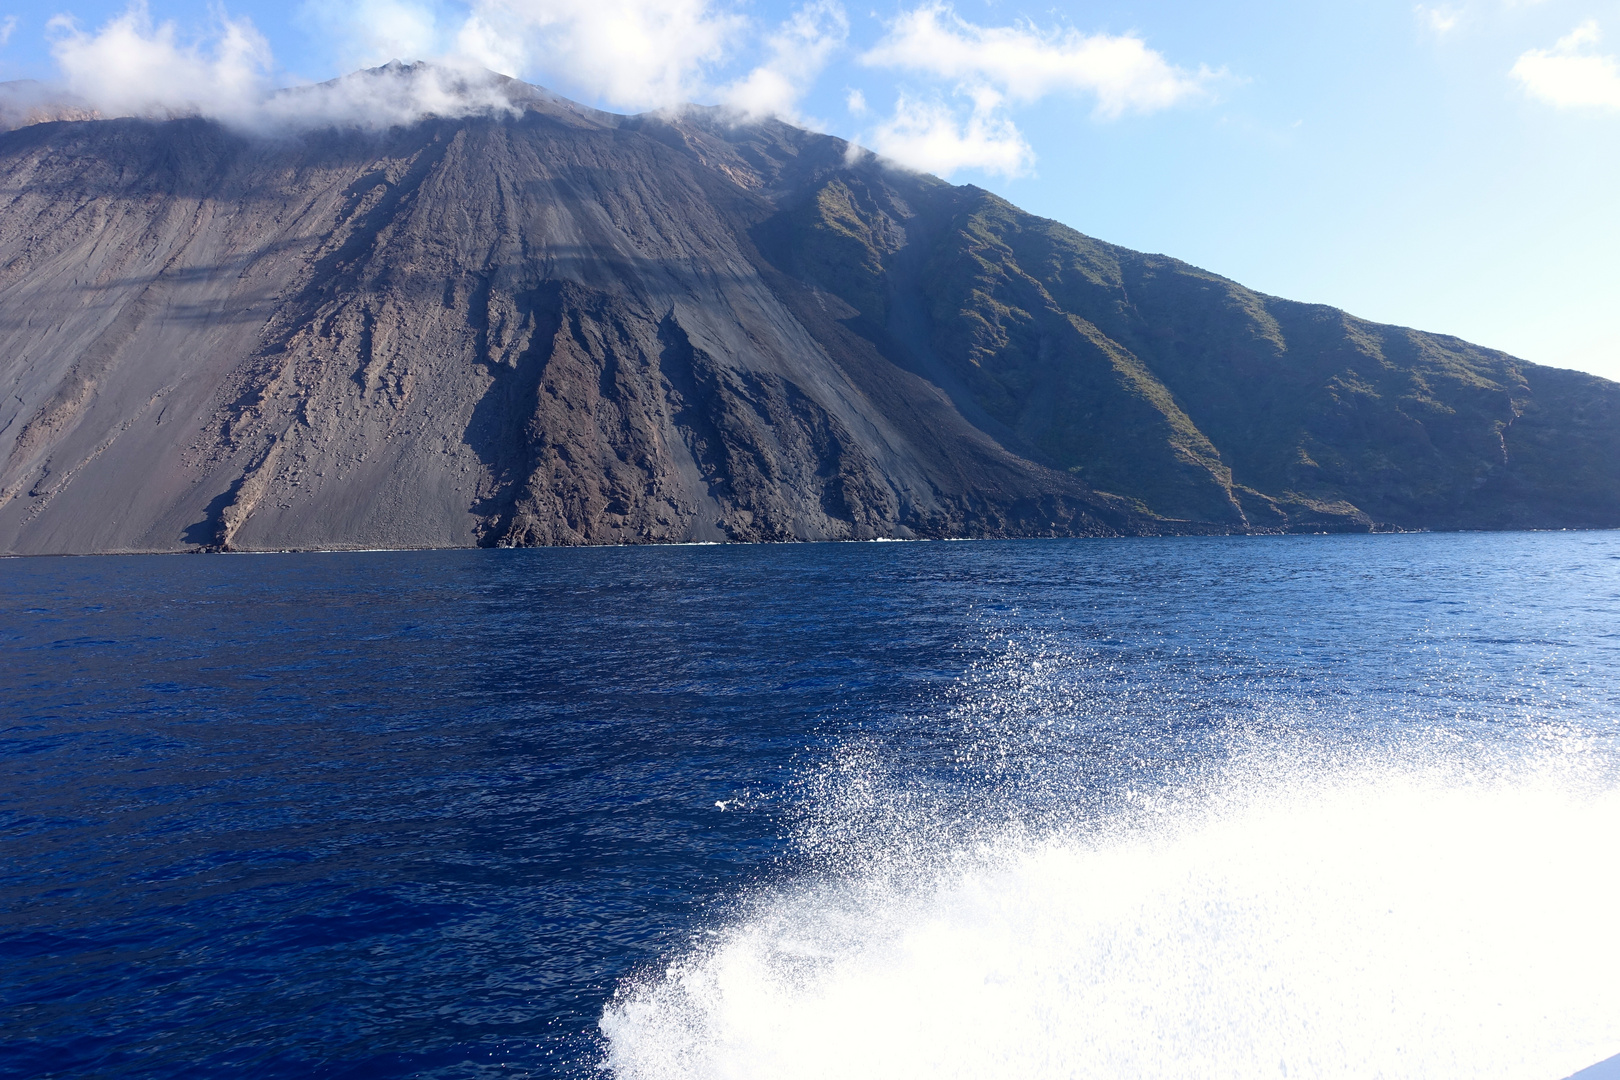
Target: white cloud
[(799, 51), (365, 33), (24, 102), (1571, 75), (131, 67), (8, 26), (1442, 20), (484, 43), (1026, 63), (996, 67), (626, 53), (395, 94), (630, 52), (633, 53), (929, 136)]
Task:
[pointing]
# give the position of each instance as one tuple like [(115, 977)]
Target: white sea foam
[(1361, 921)]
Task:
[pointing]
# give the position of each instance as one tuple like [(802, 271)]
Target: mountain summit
[(542, 324)]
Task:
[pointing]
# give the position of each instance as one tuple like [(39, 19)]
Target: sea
[(1311, 806)]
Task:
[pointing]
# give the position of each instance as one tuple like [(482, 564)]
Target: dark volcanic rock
[(571, 327)]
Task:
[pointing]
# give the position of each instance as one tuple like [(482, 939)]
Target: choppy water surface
[(1299, 807)]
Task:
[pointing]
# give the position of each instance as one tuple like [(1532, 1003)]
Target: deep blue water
[(420, 814)]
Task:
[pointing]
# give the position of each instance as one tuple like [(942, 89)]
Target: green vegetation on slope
[(1199, 399)]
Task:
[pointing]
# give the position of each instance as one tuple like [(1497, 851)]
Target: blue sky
[(1450, 166)]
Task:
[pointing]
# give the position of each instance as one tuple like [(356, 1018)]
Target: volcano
[(544, 324)]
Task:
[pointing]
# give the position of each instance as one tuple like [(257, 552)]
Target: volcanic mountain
[(543, 324)]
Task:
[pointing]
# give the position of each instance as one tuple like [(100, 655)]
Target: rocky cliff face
[(570, 327)]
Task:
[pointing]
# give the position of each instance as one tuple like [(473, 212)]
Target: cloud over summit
[(132, 66), (952, 108), (629, 54)]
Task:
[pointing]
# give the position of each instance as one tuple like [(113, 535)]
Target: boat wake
[(1423, 910)]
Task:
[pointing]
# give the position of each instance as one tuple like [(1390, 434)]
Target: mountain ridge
[(563, 326)]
